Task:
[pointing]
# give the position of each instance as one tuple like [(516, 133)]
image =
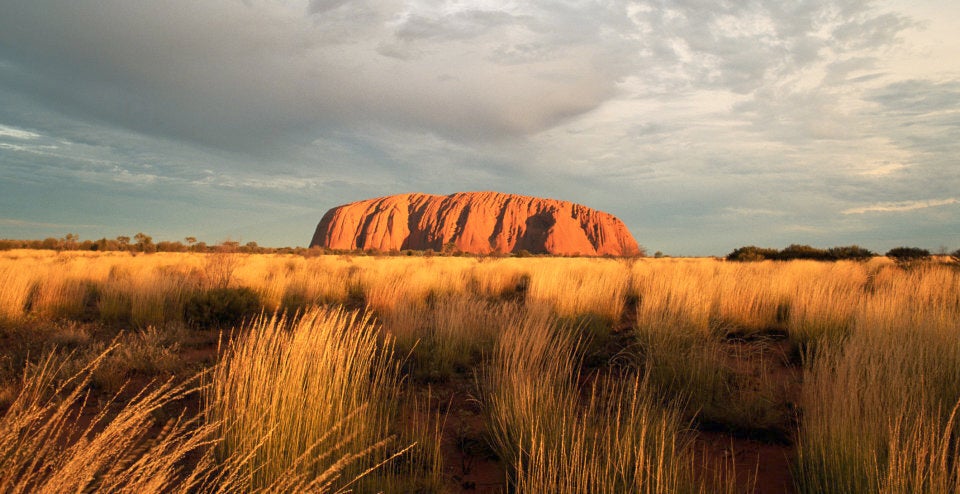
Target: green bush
[(752, 253), (908, 255), (851, 252), (221, 307), (796, 251)]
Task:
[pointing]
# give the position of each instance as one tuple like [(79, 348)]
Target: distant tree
[(795, 251), (166, 246), (851, 252), (955, 255), (144, 242), (658, 254), (50, 243), (228, 246), (69, 241), (908, 255), (449, 248), (190, 240), (752, 253), (105, 244), (123, 242)]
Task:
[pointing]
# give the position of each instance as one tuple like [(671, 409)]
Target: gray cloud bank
[(228, 73), (736, 120)]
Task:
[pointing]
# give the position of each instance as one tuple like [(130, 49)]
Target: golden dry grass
[(879, 347), (322, 387), (45, 448), (880, 405)]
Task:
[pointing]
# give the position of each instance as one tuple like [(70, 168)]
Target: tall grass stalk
[(579, 287), (619, 439), (45, 448), (879, 406), (319, 386)]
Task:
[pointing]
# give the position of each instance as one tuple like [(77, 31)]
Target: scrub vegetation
[(274, 372)]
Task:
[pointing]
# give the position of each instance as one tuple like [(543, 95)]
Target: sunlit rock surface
[(474, 222)]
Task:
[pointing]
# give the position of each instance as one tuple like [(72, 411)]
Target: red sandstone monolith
[(474, 222)]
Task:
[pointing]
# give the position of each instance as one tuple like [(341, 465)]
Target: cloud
[(883, 169), (16, 133), (255, 74), (690, 119), (248, 74), (893, 207)]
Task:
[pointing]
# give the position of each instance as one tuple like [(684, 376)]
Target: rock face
[(474, 222)]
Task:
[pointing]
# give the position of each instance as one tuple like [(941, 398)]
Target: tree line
[(849, 252), (141, 242)]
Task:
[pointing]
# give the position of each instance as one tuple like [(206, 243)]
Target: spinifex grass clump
[(15, 290), (619, 439), (716, 394), (880, 416), (577, 287), (221, 307), (446, 337), (880, 407), (530, 387), (319, 387)]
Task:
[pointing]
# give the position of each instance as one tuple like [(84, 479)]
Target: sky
[(704, 125)]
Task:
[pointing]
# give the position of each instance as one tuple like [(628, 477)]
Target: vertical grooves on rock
[(477, 222), (498, 227)]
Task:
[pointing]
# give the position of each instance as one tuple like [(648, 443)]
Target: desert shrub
[(575, 287), (219, 266), (58, 298), (221, 307), (15, 291), (529, 385), (421, 421), (148, 352), (908, 255), (752, 253), (795, 251), (850, 252), (49, 442)]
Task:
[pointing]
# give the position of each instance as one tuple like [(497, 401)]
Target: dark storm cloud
[(235, 74), (249, 74)]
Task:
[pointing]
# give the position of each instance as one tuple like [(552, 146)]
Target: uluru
[(474, 222)]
